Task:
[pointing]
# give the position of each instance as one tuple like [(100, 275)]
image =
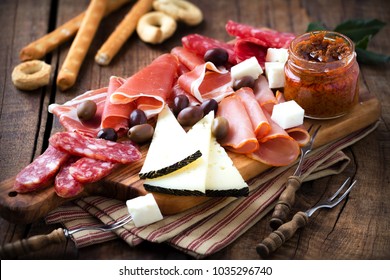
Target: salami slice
[(96, 148), (89, 170), (199, 44), (41, 171), (64, 184)]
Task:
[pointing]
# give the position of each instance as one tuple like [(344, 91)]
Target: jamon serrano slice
[(116, 116), (40, 173), (241, 137), (67, 112), (100, 149), (149, 88), (65, 185), (187, 58)]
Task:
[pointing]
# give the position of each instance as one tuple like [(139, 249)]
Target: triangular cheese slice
[(169, 149), (223, 178), (191, 179)]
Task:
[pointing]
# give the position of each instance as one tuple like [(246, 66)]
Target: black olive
[(218, 56), (209, 105), (190, 115), (137, 117), (108, 134), (246, 81), (179, 103), (86, 110)]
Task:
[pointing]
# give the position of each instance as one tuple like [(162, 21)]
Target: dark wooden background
[(360, 229)]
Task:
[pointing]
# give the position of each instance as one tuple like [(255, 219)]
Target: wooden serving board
[(125, 184)]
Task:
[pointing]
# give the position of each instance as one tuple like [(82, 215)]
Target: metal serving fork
[(37, 242), (277, 238), (287, 197)]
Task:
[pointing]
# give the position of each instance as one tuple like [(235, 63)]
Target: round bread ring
[(156, 27), (180, 10), (31, 75)]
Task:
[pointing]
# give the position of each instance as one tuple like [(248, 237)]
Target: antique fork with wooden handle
[(277, 238), (287, 198), (59, 235)]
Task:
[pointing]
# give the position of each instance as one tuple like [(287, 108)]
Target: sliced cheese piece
[(276, 55), (169, 149), (275, 74), (191, 179), (288, 114), (248, 67), (223, 178), (144, 210)]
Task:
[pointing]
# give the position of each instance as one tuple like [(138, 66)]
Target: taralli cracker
[(70, 69), (180, 10), (47, 43), (31, 75), (122, 32), (156, 27)]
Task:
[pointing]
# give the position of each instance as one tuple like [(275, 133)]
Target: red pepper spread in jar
[(322, 74)]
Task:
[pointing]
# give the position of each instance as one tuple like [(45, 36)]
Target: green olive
[(86, 110), (220, 128), (140, 133)]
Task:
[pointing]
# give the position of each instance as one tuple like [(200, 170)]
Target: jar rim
[(328, 34)]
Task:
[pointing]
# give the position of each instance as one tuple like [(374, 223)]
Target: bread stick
[(79, 48), (47, 43), (122, 32)]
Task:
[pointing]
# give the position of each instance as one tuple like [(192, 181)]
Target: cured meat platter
[(124, 182)]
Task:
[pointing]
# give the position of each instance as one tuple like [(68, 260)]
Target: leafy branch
[(361, 32)]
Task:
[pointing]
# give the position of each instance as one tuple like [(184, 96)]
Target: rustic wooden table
[(358, 230)]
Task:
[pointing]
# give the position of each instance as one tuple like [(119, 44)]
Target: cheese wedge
[(190, 179), (223, 178), (169, 149)]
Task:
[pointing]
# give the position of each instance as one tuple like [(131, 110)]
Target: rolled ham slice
[(241, 137), (206, 81), (264, 95), (67, 112), (116, 116), (259, 121), (149, 88), (277, 148)]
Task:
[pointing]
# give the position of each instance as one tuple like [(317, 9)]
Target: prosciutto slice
[(116, 116), (259, 121), (187, 58), (206, 81), (67, 112), (149, 88), (241, 137), (277, 148)]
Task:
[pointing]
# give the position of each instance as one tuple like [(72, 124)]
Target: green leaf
[(368, 57), (363, 43), (314, 26), (358, 29)]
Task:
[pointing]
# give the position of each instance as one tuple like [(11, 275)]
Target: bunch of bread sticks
[(84, 27)]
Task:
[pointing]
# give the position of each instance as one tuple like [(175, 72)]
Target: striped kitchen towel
[(211, 226)]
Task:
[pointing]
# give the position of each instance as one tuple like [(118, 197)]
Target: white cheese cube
[(249, 67), (288, 114), (276, 55), (144, 210), (274, 72)]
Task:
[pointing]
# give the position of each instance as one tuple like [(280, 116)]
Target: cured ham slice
[(67, 112), (264, 95), (65, 185), (259, 121), (96, 148), (253, 41), (200, 44), (241, 137), (206, 81), (116, 116), (149, 88), (40, 173), (187, 58), (277, 148)]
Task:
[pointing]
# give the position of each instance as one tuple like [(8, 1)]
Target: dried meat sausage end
[(87, 170), (41, 172)]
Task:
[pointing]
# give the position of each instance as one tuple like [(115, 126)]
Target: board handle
[(285, 203), (277, 238), (32, 244)]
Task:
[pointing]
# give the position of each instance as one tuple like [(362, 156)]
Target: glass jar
[(322, 74)]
